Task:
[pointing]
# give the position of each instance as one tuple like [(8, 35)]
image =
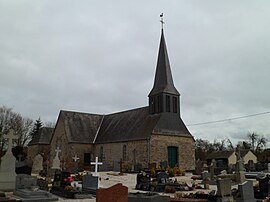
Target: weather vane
[(161, 20)]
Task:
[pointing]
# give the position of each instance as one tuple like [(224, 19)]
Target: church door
[(172, 156)]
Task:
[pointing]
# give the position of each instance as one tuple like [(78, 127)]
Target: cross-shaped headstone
[(96, 163), (57, 152), (10, 136), (75, 158)]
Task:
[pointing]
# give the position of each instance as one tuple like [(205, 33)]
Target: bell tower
[(164, 97)]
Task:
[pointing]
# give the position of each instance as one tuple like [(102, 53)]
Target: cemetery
[(155, 183)]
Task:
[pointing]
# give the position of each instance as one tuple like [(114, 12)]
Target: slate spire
[(163, 78), (164, 97)]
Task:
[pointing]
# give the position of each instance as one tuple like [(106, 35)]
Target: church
[(141, 136)]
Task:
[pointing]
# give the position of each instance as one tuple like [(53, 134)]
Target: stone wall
[(136, 152), (186, 150)]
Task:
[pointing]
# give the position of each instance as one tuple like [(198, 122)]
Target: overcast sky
[(100, 57)]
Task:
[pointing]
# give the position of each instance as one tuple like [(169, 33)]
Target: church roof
[(129, 125), (163, 78), (42, 137), (80, 127), (135, 124)]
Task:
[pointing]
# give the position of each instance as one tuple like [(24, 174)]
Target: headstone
[(205, 175), (116, 166), (56, 160), (90, 184), (7, 166), (143, 181), (138, 167), (37, 164), (162, 177), (116, 193), (246, 192), (268, 166), (96, 163), (76, 159), (27, 190), (23, 165), (224, 193)]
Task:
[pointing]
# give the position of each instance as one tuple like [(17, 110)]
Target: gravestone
[(143, 181), (138, 167), (163, 177), (27, 190), (76, 159), (56, 160), (90, 183), (61, 185), (7, 166), (96, 163), (23, 165), (246, 192), (116, 166), (147, 197), (224, 193), (37, 164), (268, 167), (212, 169), (116, 193)]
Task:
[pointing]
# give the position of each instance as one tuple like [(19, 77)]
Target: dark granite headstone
[(138, 167), (246, 192), (143, 181), (115, 193), (163, 177), (116, 166)]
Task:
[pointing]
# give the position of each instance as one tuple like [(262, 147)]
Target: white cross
[(57, 152), (76, 158), (10, 136), (96, 163)]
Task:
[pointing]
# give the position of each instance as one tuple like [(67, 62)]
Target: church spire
[(163, 97)]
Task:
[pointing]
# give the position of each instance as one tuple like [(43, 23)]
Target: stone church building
[(151, 134)]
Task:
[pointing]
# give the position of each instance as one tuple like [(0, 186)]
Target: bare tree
[(20, 125), (257, 142)]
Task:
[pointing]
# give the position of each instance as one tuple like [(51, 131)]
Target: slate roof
[(225, 154), (42, 137), (163, 78), (80, 127), (135, 124)]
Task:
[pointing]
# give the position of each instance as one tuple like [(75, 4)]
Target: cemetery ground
[(108, 179)]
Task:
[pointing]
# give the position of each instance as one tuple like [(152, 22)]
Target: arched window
[(124, 152), (101, 154)]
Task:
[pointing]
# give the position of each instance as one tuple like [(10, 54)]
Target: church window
[(124, 152), (101, 154), (175, 108), (168, 103), (87, 158)]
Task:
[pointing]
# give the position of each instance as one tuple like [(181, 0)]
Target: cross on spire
[(96, 163), (10, 136), (161, 20)]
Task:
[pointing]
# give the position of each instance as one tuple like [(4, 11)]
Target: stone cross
[(10, 136), (96, 163), (57, 152), (76, 158)]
